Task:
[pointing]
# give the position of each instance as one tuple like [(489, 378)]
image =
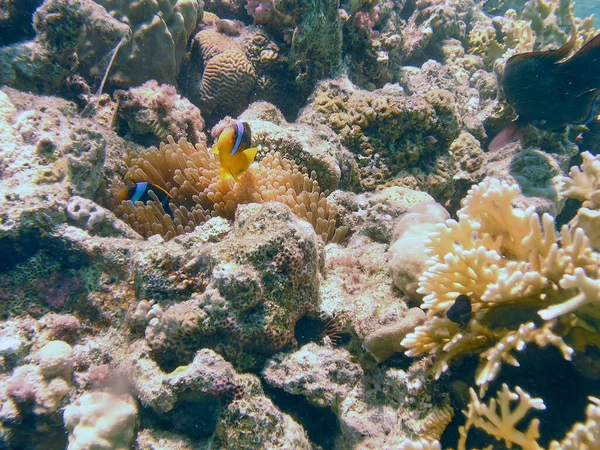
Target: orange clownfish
[(234, 150)]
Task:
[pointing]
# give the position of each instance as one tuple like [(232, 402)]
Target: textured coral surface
[(377, 278)]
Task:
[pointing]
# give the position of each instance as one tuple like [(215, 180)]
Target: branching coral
[(555, 24), (525, 282), (191, 176), (583, 435), (492, 41), (543, 25), (583, 183), (498, 420)]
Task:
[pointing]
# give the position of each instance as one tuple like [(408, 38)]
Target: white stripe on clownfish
[(140, 189), (238, 138)]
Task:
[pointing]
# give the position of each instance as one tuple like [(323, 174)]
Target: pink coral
[(366, 20), (264, 12), (261, 10)]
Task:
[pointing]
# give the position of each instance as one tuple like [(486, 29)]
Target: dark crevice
[(195, 417), (543, 373), (320, 423)]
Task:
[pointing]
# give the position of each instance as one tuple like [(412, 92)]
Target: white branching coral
[(583, 183), (526, 282), (500, 420), (583, 435), (493, 357)]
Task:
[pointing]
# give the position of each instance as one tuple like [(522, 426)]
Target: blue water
[(584, 8)]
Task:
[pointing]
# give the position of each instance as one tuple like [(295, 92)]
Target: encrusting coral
[(527, 284), (191, 176)]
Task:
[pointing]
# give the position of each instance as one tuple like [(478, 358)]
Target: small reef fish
[(235, 150), (549, 91), (460, 311), (139, 192)]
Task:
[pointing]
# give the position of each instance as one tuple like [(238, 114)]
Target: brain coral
[(220, 76)]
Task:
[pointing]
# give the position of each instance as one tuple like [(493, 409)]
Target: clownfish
[(139, 192), (234, 150)]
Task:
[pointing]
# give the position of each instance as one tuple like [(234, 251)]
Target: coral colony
[(286, 224)]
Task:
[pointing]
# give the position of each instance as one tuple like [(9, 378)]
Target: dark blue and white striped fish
[(140, 192)]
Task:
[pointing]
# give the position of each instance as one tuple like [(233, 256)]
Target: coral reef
[(495, 242), (554, 24), (35, 392), (231, 409), (74, 57), (506, 259), (407, 260), (165, 26), (536, 25), (263, 279), (583, 183), (70, 35), (376, 410), (385, 341), (220, 75), (501, 37), (315, 147), (382, 37), (326, 299), (499, 420)]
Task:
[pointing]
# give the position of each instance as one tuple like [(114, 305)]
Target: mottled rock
[(323, 375)]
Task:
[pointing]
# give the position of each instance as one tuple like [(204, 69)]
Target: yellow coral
[(515, 36), (510, 263), (191, 176)]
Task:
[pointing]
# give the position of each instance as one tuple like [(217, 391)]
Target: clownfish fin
[(225, 174), (250, 154), (214, 150)]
